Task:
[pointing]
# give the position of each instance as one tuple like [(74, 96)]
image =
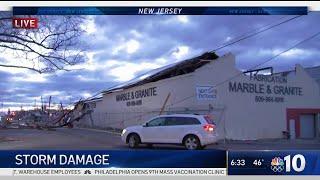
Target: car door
[(154, 131), (178, 127), (173, 129)]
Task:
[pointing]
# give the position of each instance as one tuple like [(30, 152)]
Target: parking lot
[(81, 139)]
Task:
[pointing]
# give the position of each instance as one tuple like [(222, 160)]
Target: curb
[(99, 130)]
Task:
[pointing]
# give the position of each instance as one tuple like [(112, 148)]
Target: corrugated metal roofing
[(175, 69), (143, 76), (314, 72)]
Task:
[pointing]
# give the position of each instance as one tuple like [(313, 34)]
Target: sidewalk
[(114, 132), (270, 144), (273, 141)]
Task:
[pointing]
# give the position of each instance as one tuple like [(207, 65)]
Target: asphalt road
[(82, 139)]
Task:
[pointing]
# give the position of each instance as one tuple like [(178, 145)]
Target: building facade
[(244, 106)]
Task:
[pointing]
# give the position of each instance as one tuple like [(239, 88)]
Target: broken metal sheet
[(175, 69)]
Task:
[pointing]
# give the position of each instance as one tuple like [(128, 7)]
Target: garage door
[(307, 126)]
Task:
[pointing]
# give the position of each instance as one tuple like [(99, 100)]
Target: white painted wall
[(246, 119), (237, 114)]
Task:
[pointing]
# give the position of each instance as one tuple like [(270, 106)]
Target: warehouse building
[(256, 104)]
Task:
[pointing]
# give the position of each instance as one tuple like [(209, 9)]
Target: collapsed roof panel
[(172, 70), (95, 99)]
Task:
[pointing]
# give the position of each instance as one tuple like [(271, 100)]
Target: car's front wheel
[(133, 141), (192, 142)]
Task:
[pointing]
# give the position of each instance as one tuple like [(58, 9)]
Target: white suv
[(192, 131)]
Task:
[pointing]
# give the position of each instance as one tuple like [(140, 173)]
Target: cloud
[(228, 38), (89, 26), (30, 77), (86, 94), (183, 19), (136, 34), (121, 47), (180, 52), (129, 47), (127, 70)]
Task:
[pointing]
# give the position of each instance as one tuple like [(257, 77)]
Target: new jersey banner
[(160, 10)]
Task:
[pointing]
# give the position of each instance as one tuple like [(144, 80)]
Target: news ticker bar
[(159, 162), (301, 10), (113, 172)]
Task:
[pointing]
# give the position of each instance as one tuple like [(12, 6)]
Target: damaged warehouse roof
[(172, 70)]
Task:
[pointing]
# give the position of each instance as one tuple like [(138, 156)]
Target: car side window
[(175, 121), (191, 121), (157, 122), (171, 121)]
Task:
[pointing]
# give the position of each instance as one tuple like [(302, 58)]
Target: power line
[(303, 41), (256, 33), (253, 30), (257, 65), (273, 57), (242, 37)]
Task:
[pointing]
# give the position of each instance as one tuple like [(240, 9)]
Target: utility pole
[(42, 109), (49, 107), (61, 106), (35, 104)]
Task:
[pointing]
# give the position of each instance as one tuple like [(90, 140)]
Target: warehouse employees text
[(61, 159)]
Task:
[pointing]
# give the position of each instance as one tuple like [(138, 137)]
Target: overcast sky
[(122, 47)]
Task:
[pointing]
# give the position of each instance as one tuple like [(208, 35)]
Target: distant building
[(244, 105)]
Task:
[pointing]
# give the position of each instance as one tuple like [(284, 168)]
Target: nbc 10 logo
[(296, 163)]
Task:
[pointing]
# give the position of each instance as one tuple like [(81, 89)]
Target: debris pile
[(44, 118)]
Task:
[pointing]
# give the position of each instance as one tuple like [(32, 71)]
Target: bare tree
[(55, 45)]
